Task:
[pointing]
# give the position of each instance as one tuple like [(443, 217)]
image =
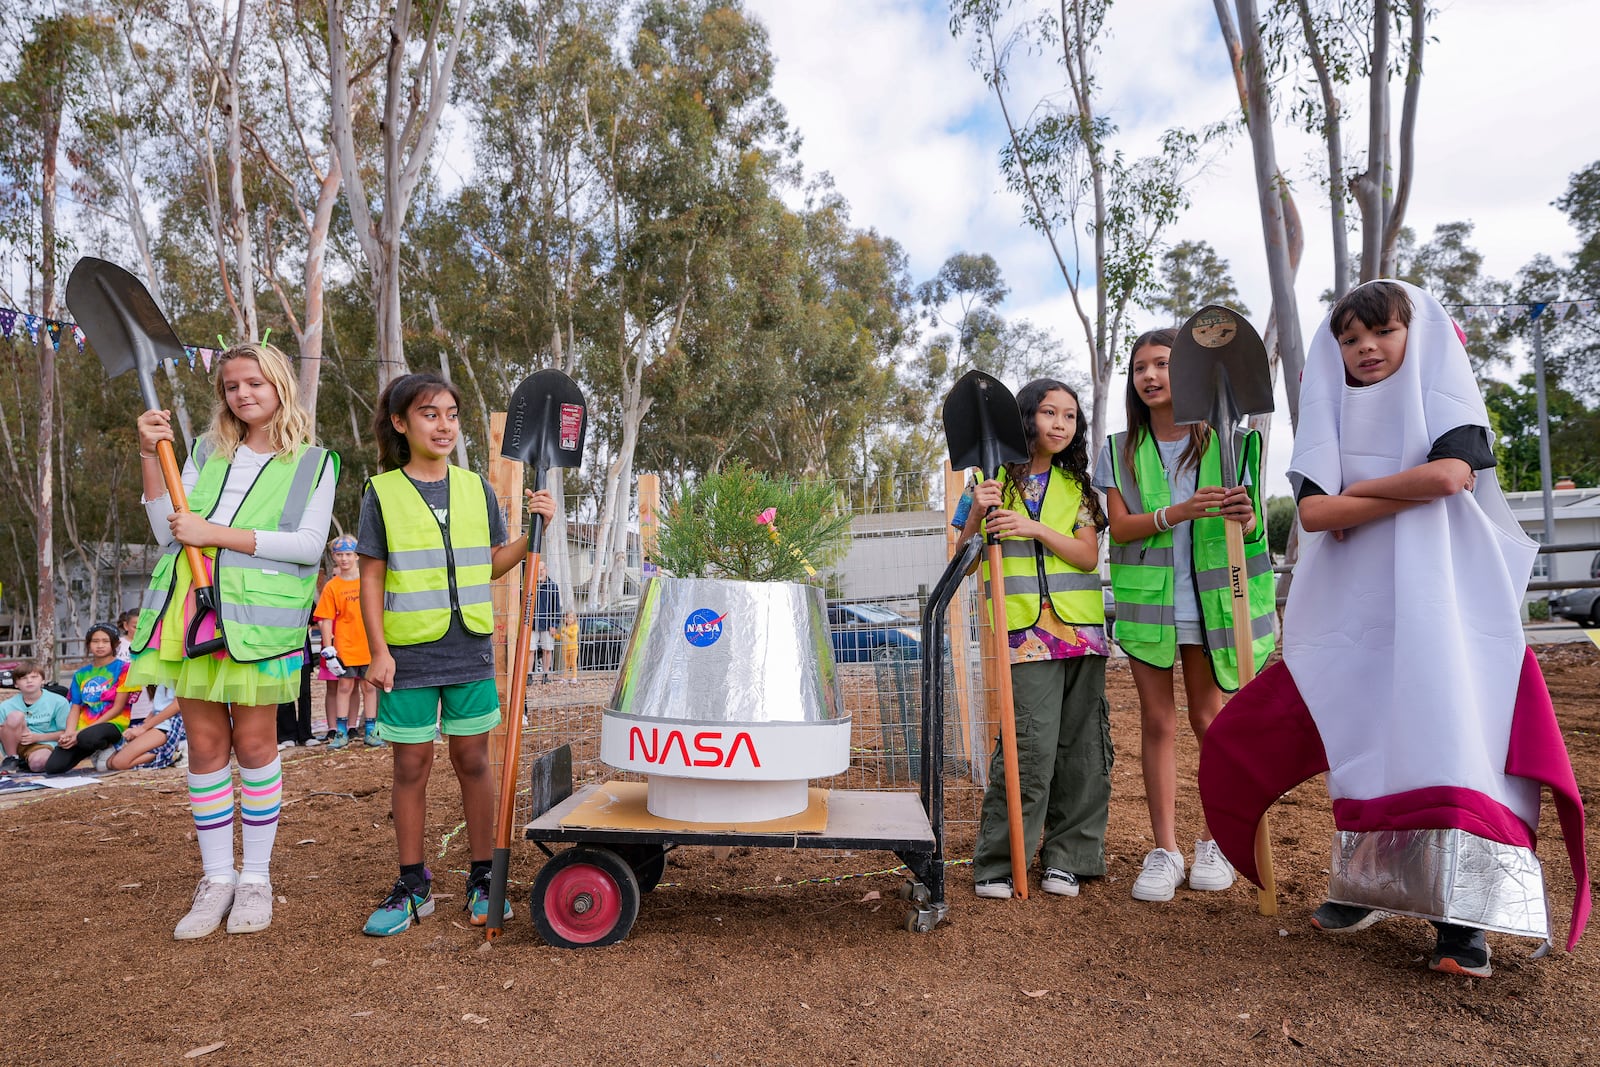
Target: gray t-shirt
[(457, 656), (1181, 483)]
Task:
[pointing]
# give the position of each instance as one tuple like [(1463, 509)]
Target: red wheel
[(585, 897)]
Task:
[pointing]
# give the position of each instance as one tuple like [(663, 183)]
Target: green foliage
[(1539, 610), (1192, 276), (1574, 435), (1280, 519), (710, 528)]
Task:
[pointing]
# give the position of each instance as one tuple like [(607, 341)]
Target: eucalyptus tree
[(683, 134), (1075, 182), (416, 44)]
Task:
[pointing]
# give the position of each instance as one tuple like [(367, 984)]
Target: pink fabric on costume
[(1265, 742)]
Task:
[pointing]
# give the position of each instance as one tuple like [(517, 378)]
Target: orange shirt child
[(341, 603)]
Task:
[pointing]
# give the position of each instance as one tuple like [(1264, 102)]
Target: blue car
[(863, 633)]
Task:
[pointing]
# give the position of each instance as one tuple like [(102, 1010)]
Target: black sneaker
[(10, 765), (1334, 918), (1461, 950), (994, 889)]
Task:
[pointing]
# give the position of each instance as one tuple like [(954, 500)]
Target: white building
[(1577, 521)]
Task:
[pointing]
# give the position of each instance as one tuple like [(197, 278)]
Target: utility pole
[(1544, 437)]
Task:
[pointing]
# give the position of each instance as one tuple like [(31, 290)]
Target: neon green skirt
[(217, 678)]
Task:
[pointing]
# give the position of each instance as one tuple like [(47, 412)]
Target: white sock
[(211, 803), (260, 796)]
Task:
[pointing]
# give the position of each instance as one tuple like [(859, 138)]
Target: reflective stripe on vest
[(265, 604), (1029, 569), (1142, 571), (432, 571)]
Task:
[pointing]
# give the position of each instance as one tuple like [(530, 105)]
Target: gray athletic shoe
[(252, 908), (211, 902)]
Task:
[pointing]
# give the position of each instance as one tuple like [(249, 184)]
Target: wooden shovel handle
[(172, 474), (1245, 653), (1008, 724), (516, 699)]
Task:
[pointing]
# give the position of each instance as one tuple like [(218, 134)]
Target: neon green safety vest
[(434, 570), (1142, 571), (265, 604), (1030, 569)]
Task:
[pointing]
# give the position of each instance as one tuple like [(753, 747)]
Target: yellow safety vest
[(434, 570), (1032, 571)]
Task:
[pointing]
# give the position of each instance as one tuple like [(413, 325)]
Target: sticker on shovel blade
[(1214, 329), (571, 426)]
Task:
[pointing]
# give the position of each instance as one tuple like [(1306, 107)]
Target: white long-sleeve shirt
[(303, 546)]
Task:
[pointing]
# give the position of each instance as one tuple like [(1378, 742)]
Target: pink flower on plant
[(766, 517)]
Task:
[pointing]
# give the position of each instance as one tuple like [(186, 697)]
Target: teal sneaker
[(373, 740), (340, 739), (478, 902), (400, 909)]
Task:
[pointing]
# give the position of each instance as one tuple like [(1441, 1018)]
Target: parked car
[(1582, 606), (866, 632), (603, 638)]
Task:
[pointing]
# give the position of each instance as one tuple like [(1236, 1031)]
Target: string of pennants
[(13, 321), (1557, 311)]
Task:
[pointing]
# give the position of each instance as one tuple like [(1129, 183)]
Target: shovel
[(1219, 373), (545, 428), (128, 332), (983, 429)]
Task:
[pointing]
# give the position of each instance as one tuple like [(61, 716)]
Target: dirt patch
[(765, 956)]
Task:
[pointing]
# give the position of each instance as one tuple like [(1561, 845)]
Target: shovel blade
[(1219, 369), (546, 423), (121, 321), (982, 426)]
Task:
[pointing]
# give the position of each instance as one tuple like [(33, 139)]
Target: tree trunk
[(44, 633), (1395, 215), (1245, 54), (1333, 139), (1371, 183)]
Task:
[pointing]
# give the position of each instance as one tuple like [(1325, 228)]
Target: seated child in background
[(158, 741), (99, 713), (31, 721), (569, 646)]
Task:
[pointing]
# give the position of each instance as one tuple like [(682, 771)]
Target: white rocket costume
[(1406, 675)]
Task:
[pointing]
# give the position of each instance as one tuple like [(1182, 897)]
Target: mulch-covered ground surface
[(761, 956)]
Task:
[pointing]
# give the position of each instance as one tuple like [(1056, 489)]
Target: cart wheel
[(585, 897), (913, 891), (648, 861)]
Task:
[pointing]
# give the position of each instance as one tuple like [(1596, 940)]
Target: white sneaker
[(212, 898), (1161, 877), (1211, 870), (102, 759), (285, 745), (252, 908), (994, 889), (1061, 883)]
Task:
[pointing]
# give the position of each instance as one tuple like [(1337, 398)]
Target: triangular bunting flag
[(54, 330), (30, 326), (205, 357), (77, 335), (188, 350), (7, 317)]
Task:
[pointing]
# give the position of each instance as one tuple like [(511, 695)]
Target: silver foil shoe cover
[(1447, 875), (728, 699)]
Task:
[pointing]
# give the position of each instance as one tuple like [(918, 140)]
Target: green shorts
[(408, 716)]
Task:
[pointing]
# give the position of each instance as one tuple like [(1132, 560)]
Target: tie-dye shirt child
[(1049, 638), (95, 688)]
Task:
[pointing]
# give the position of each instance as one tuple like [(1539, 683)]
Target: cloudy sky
[(889, 105)]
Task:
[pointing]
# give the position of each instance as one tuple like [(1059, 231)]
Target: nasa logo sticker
[(703, 626)]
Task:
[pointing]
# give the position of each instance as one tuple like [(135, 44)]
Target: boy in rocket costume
[(1405, 674)]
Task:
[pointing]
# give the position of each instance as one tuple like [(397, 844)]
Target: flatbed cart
[(589, 895)]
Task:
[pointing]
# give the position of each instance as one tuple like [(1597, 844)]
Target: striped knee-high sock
[(260, 796), (211, 801)]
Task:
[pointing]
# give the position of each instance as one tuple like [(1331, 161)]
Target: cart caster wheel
[(584, 897), (914, 891), (922, 919), (649, 862)]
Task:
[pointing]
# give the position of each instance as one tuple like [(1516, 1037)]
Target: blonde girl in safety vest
[(260, 498), (1168, 575), (1048, 519), (432, 539)]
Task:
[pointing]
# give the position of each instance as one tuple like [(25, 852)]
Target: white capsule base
[(700, 800)]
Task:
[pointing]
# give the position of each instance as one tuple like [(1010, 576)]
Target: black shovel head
[(546, 423), (120, 319), (1219, 368), (982, 425)]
